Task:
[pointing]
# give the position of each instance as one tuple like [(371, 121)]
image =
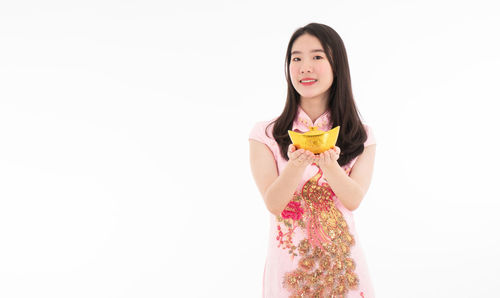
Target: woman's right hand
[(300, 157)]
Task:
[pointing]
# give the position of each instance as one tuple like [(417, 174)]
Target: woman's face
[(309, 61)]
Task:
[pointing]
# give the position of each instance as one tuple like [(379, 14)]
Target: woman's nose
[(305, 68)]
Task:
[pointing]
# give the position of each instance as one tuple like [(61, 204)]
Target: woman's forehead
[(306, 43)]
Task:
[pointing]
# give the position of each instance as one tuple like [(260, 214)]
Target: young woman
[(313, 246)]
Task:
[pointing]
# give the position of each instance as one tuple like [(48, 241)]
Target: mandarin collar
[(303, 122)]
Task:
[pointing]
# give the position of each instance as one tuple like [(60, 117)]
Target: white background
[(124, 166)]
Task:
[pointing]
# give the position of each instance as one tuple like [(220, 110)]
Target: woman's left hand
[(328, 158)]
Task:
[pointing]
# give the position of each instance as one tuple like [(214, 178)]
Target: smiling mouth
[(308, 81)]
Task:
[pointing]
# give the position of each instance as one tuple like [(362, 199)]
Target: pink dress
[(313, 246)]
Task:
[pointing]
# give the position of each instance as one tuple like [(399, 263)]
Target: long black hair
[(343, 110)]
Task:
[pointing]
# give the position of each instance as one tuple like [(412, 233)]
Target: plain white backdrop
[(124, 167)]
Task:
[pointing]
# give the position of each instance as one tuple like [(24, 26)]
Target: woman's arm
[(277, 190), (351, 190)]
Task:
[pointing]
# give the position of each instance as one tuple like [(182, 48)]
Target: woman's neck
[(314, 107)]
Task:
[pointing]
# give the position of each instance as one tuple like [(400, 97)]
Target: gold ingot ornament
[(315, 140)]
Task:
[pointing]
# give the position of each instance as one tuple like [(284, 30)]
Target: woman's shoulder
[(262, 131), (370, 136), (370, 140)]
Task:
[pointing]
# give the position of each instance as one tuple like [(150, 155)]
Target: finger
[(311, 156), (327, 156), (295, 150), (302, 157), (334, 155), (297, 153)]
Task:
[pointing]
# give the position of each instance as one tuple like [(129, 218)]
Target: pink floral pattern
[(293, 211)]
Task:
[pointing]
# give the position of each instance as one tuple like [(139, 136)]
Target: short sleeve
[(370, 140), (258, 133)]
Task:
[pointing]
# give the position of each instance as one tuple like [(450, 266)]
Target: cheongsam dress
[(313, 248)]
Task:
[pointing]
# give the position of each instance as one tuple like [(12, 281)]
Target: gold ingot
[(315, 140)]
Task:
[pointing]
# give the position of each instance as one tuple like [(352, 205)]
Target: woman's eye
[(298, 59)]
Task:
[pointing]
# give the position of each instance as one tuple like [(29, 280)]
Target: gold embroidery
[(306, 263), (304, 247), (325, 267)]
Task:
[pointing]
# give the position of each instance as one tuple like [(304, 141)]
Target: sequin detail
[(325, 267)]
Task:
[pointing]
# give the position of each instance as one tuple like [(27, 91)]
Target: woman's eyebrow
[(312, 51)]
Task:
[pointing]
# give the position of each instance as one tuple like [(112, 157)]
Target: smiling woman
[(313, 246)]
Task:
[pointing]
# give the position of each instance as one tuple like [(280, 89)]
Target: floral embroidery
[(293, 211), (325, 267), (290, 219)]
